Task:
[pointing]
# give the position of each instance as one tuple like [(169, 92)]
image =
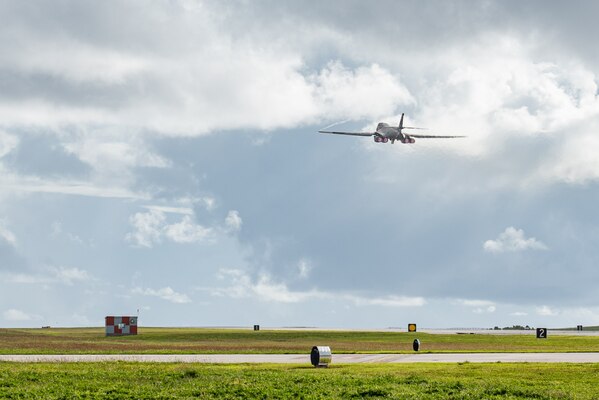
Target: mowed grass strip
[(231, 341), (417, 381)]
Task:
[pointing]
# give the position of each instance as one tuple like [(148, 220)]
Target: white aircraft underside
[(385, 133)]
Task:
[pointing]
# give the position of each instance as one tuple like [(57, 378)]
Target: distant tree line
[(514, 327)]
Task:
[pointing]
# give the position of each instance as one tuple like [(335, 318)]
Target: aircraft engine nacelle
[(407, 139), (378, 139)]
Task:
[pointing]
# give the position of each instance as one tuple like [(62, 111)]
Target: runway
[(305, 359)]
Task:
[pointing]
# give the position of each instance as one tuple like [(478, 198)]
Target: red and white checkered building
[(119, 326)]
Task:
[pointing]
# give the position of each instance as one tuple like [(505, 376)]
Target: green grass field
[(267, 381), (417, 381), (205, 341)]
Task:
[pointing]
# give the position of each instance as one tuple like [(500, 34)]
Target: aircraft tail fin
[(401, 123)]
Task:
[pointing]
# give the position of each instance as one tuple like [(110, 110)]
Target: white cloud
[(512, 240), (26, 278), (167, 209), (16, 315), (183, 81), (87, 63), (267, 290), (233, 221), (184, 205), (494, 87), (519, 95), (7, 235), (498, 90), (208, 202), (480, 310), (547, 311), (51, 275), (33, 184), (186, 231), (57, 230), (303, 268), (365, 93), (264, 288), (519, 314), (479, 306), (7, 143), (152, 227), (148, 228), (575, 161), (111, 162), (203, 76), (104, 152), (68, 276), (387, 301), (475, 303), (165, 293), (112, 156)]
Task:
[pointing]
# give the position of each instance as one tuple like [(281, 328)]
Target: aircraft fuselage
[(384, 133)]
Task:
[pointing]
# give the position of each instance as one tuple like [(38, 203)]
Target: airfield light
[(416, 345), (321, 356)]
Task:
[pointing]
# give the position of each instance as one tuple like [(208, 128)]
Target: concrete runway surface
[(305, 359)]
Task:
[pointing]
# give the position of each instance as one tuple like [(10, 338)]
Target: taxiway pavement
[(305, 359)]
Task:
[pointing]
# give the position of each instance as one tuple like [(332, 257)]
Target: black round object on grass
[(416, 345)]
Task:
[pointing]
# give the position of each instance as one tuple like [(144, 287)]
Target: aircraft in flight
[(385, 133)]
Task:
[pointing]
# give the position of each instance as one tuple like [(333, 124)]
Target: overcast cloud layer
[(164, 158)]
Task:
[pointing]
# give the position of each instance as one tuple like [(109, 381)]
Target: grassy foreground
[(205, 341), (418, 381)]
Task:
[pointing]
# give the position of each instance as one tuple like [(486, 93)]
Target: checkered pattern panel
[(118, 326)]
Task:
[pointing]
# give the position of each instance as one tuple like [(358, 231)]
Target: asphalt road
[(305, 359)]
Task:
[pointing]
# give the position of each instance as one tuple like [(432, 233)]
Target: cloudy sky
[(164, 158)]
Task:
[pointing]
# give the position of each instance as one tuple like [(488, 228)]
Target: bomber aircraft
[(385, 133)]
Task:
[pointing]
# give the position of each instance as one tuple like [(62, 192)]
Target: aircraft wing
[(349, 133), (433, 136)]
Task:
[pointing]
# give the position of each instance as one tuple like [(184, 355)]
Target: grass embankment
[(586, 328), (425, 381), (206, 341)]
